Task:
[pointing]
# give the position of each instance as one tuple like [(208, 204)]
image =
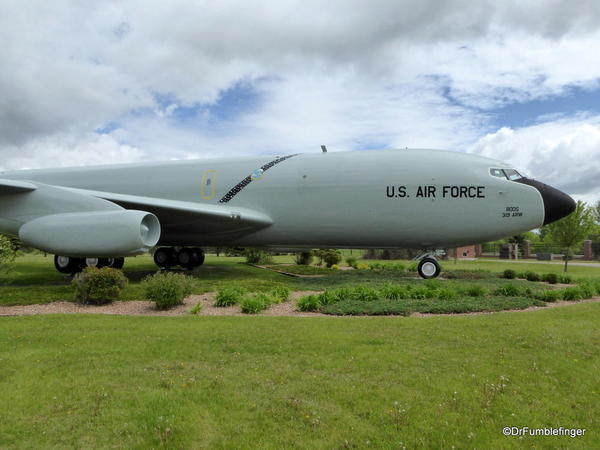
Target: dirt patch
[(146, 308)]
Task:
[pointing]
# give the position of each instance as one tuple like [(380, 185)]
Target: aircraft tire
[(165, 257), (185, 258), (429, 268), (67, 264), (116, 263), (198, 256)]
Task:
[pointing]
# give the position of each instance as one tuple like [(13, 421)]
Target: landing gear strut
[(186, 257)]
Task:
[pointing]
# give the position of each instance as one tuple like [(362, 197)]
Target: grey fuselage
[(360, 199)]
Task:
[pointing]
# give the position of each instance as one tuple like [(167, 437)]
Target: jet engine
[(93, 234)]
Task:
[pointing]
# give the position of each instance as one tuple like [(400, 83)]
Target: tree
[(571, 230)]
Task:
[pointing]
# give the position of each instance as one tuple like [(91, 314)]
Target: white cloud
[(562, 153), (346, 73)]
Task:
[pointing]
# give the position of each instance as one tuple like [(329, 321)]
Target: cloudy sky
[(142, 80)]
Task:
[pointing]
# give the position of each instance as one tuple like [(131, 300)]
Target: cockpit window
[(510, 174), (497, 173)]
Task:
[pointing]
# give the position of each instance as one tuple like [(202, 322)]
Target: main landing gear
[(186, 257), (71, 265), (428, 266)]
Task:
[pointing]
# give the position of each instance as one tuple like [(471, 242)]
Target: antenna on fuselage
[(324, 149)]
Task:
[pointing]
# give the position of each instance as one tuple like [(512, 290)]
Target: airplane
[(409, 198)]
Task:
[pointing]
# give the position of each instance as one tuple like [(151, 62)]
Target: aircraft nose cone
[(557, 204)]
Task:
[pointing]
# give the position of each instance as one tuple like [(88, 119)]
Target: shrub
[(532, 276), (420, 292), (394, 292), (396, 266), (364, 294), (279, 294), (304, 258), (565, 279), (412, 267), (351, 261), (551, 278), (509, 274), (588, 290), (446, 294), (522, 275), (572, 293), (257, 256), (376, 266), (335, 267), (331, 257), (309, 303), (196, 308), (362, 266), (167, 289), (508, 290), (475, 291), (7, 253), (255, 303), (229, 295), (98, 286), (551, 295), (328, 297)]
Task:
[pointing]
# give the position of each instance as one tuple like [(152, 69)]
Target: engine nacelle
[(94, 233)]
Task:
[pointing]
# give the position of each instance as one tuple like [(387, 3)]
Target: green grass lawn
[(289, 382)]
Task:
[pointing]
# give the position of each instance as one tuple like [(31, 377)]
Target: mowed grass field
[(293, 382)]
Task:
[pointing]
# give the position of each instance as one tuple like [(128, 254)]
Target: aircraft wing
[(175, 214), (15, 186)]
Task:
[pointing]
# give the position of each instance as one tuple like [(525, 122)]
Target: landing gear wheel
[(185, 258), (164, 257), (96, 262), (198, 256), (116, 263), (67, 264), (429, 268)]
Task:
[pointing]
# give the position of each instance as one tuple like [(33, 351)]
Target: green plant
[(508, 290), (475, 291), (362, 266), (551, 278), (551, 295), (394, 291), (565, 279), (532, 276), (509, 274), (167, 289), (280, 294), (255, 303), (412, 267), (229, 295), (257, 256), (446, 293), (196, 308), (304, 258), (351, 261), (522, 275), (7, 253), (309, 303), (331, 257), (98, 286), (572, 293)]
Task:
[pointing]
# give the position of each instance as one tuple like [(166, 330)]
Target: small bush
[(508, 290), (229, 296), (376, 266), (509, 274), (328, 297), (167, 289), (351, 261), (196, 308), (550, 295), (551, 278), (7, 253), (331, 257), (304, 258), (475, 291), (362, 266), (279, 294), (588, 290), (394, 292), (446, 294), (335, 267), (565, 279), (98, 286), (532, 276), (255, 303), (413, 267), (309, 303), (572, 293), (522, 275), (364, 294), (256, 256)]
